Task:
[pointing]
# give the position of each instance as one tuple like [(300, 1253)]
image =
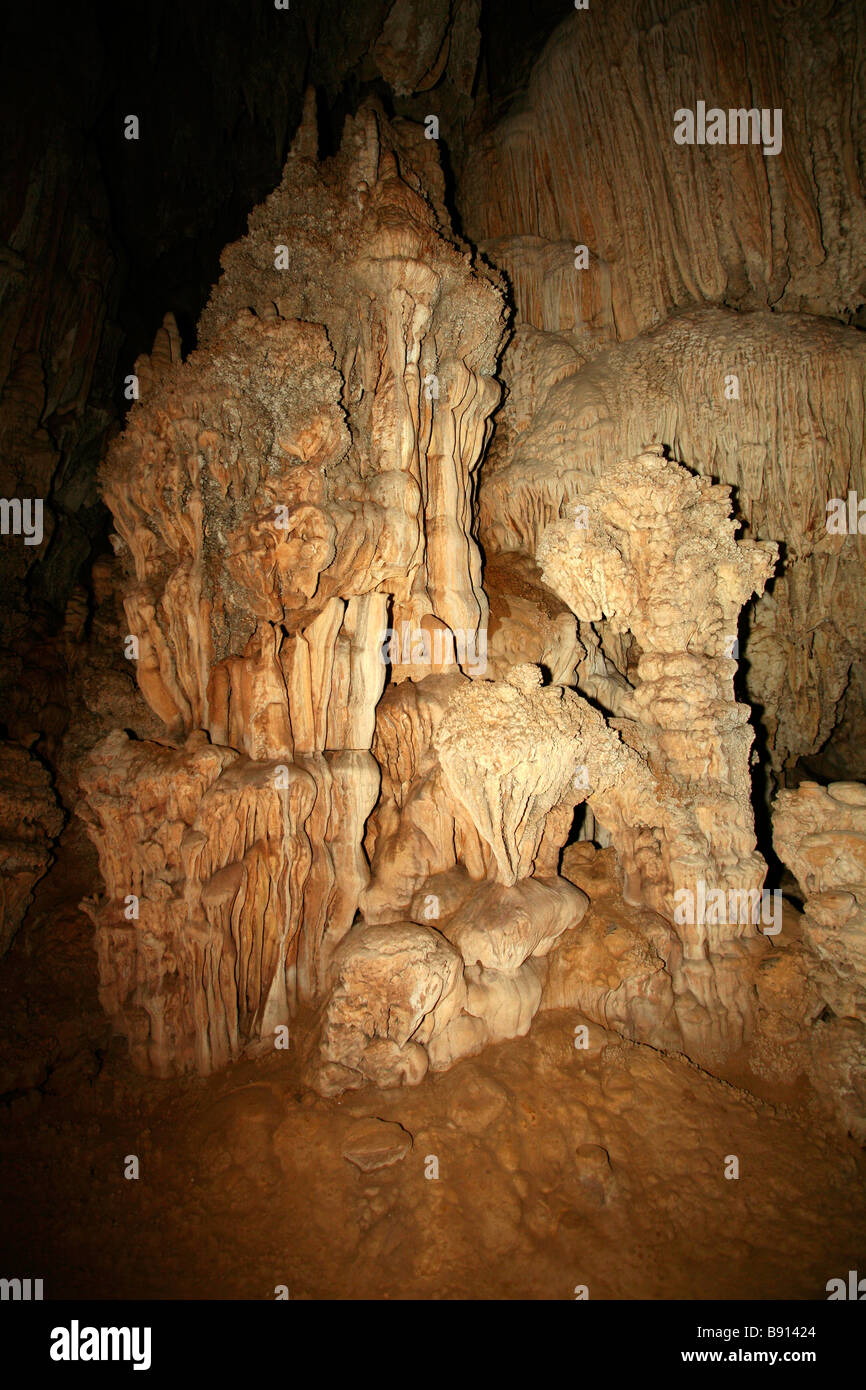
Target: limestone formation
[(820, 832), (652, 556), (655, 558), (587, 157), (433, 651), (617, 966), (429, 599), (228, 884), (643, 270), (720, 390), (295, 489), (474, 875)]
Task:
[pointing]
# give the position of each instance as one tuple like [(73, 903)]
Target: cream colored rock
[(720, 388), (614, 970), (297, 486), (228, 885), (395, 987), (658, 559), (509, 752), (499, 928), (414, 834), (262, 536), (506, 1000), (654, 560), (820, 833), (838, 1072), (351, 831), (465, 1035), (528, 622)]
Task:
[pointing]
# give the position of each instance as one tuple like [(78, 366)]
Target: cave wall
[(588, 156)]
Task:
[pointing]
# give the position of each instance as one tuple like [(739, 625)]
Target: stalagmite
[(655, 559), (403, 756), (283, 497), (820, 832)]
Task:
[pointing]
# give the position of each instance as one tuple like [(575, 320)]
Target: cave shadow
[(763, 781)]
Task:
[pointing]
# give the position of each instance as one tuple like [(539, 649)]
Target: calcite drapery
[(685, 295), (243, 877), (312, 457), (588, 157)]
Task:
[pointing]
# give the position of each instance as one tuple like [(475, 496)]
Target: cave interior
[(433, 690)]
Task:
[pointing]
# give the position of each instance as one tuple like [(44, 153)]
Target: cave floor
[(557, 1167)]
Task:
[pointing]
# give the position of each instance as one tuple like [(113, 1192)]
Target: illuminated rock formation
[(296, 487), (643, 271), (653, 556), (229, 882), (373, 746), (477, 799), (310, 459), (720, 390), (617, 967), (820, 832)]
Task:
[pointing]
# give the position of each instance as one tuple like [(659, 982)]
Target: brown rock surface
[(372, 1144), (30, 821)]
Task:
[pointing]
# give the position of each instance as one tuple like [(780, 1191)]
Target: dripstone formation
[(357, 829), (295, 489)]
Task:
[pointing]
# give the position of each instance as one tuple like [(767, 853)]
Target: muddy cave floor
[(557, 1167)]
